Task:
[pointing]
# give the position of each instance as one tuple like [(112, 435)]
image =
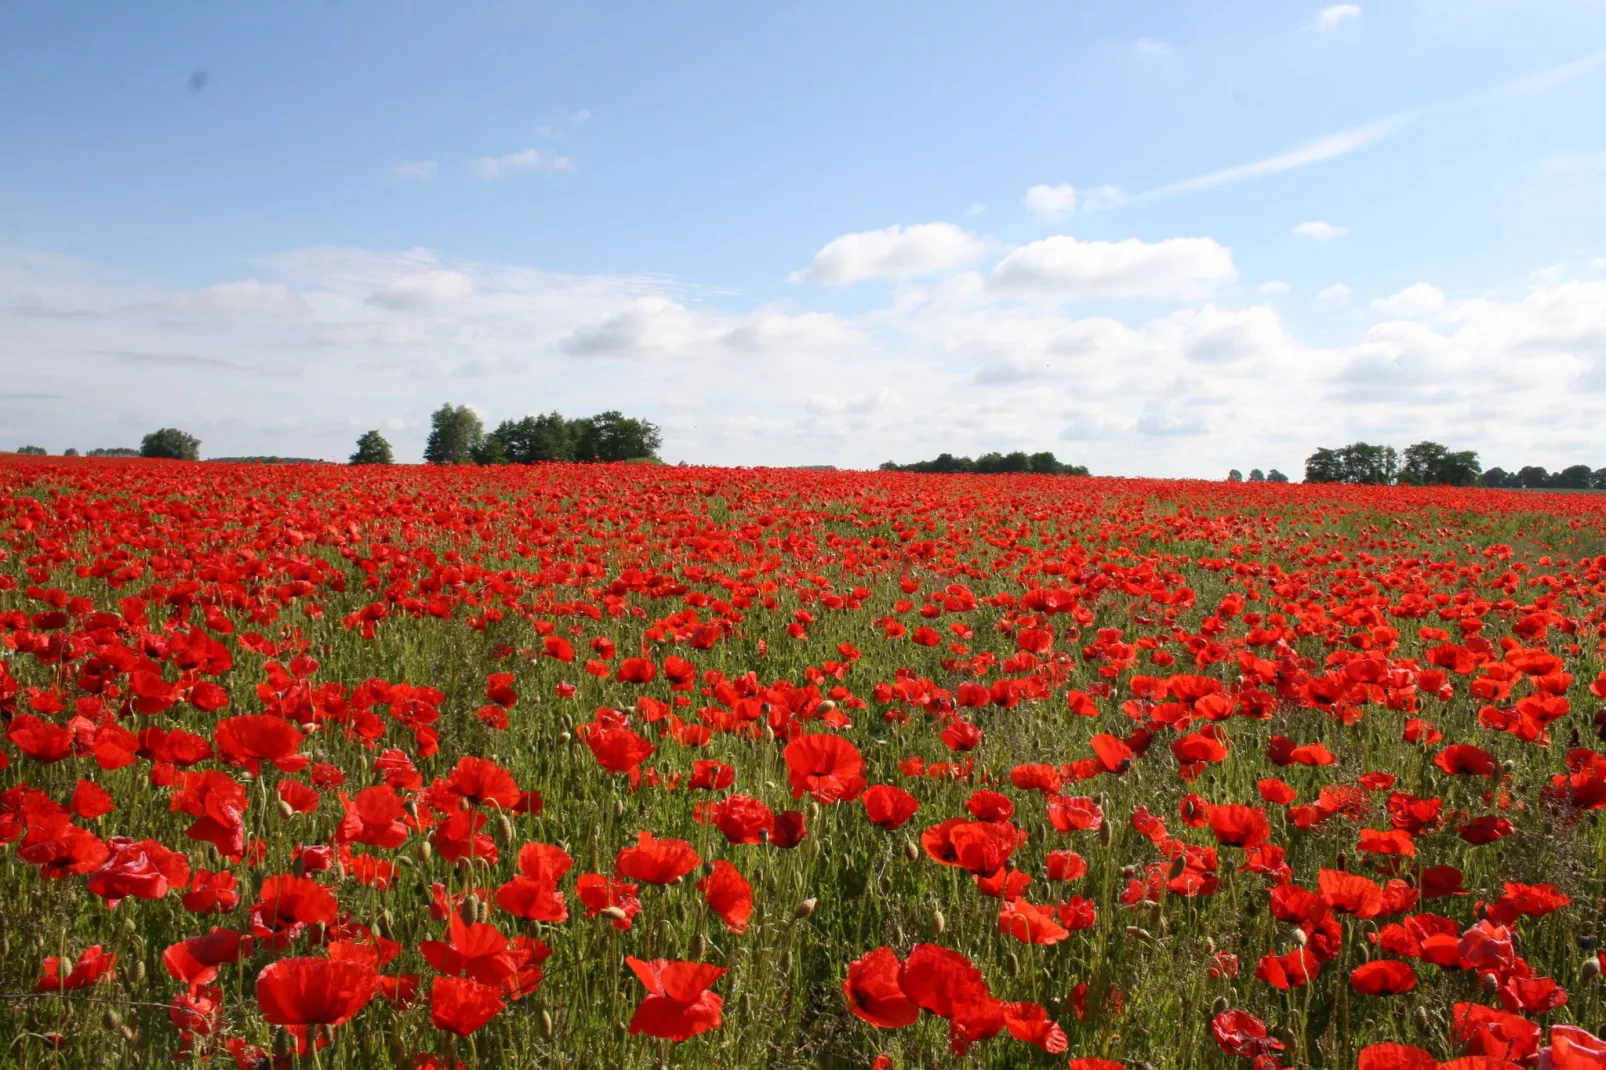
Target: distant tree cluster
[(264, 460), (1573, 477), (113, 451), (457, 436), (1257, 476), (171, 443), (32, 451), (992, 464), (1424, 464)]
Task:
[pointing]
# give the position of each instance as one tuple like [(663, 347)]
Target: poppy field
[(632, 766)]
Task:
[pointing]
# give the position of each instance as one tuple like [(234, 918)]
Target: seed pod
[(911, 851), (1106, 834), (504, 825), (139, 972), (424, 851), (618, 808), (546, 1024), (938, 922), (564, 737), (805, 908), (698, 946), (286, 811), (1178, 864)]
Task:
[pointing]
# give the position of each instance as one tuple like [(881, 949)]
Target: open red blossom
[(1066, 866), (144, 869), (825, 766), (948, 985), (615, 746), (481, 952), (251, 739), (1030, 924), (1236, 825), (873, 992), (481, 782), (729, 895), (1465, 759), (195, 960), (461, 1005), (286, 906), (1350, 893), (655, 861), (740, 818), (678, 1005), (1074, 813), (304, 994), (982, 847), (1572, 1048), (1383, 977), (600, 893), (93, 964), (90, 800), (889, 806)]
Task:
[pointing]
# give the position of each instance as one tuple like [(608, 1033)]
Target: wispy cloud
[(1317, 230), (491, 168), (419, 169), (1336, 15), (1344, 142)]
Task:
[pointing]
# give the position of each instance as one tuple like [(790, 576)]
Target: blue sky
[(1158, 238)]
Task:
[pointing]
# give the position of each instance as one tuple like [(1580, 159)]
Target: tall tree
[(1421, 463), (172, 443), (373, 449), (1275, 476), (612, 436), (1324, 466), (1573, 477), (1257, 476), (1235, 476), (455, 432)]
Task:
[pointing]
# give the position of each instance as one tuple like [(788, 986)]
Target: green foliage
[(1044, 463), (608, 437), (455, 434), (113, 451), (1257, 476), (69, 452), (1275, 476), (32, 451), (171, 443), (1428, 463), (372, 448), (1359, 462), (1235, 476)]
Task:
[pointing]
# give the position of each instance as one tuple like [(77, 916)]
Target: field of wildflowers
[(626, 766)]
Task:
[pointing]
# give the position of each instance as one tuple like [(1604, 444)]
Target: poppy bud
[(1141, 934), (298, 866), (112, 1020), (886, 884), (769, 733), (286, 811), (504, 825), (910, 851), (814, 811), (805, 908), (1178, 864), (614, 914), (424, 851), (786, 961), (1591, 968), (1587, 942), (565, 736), (697, 947), (1342, 863), (1219, 1006), (386, 925), (1424, 1020), (1508, 765), (1106, 834), (1129, 871), (1489, 981), (618, 808), (938, 922), (1014, 964), (139, 972), (546, 1024)]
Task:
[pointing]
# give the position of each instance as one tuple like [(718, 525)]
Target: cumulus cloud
[(894, 252), (1051, 203), (1063, 267), (1317, 230), (1336, 15), (491, 168), (1275, 288), (424, 290), (1418, 300)]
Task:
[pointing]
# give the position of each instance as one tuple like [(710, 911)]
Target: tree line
[(1433, 464), (1044, 463), (458, 436)]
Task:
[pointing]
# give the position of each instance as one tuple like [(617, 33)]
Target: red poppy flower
[(482, 782), (600, 893), (873, 993), (1235, 825), (655, 861), (195, 960), (303, 992), (825, 766), (740, 818), (729, 895), (1074, 813), (93, 965), (1383, 977), (461, 1005), (678, 1005), (481, 952), (251, 739), (889, 806)]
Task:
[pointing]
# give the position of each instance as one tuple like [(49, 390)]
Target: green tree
[(373, 449), (1324, 466), (1573, 477), (1460, 468), (1597, 479), (1275, 476), (1421, 463), (1365, 463), (114, 451), (1496, 477), (612, 436), (1531, 476), (1235, 476), (455, 432), (69, 452), (172, 443), (33, 451), (1257, 476), (1046, 463)]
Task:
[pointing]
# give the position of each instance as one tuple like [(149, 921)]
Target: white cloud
[(1062, 267), (424, 290), (1336, 294), (1336, 15), (1418, 300), (976, 209), (1275, 288), (1325, 148), (1149, 46), (419, 169), (895, 252), (250, 297), (491, 168), (1051, 203), (1317, 230)]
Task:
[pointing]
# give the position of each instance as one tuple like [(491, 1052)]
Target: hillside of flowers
[(632, 766)]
